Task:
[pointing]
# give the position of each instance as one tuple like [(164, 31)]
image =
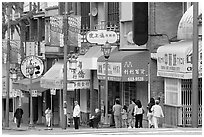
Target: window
[(172, 91), (85, 18), (113, 14), (113, 11)]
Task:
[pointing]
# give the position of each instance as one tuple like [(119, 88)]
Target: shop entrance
[(186, 92)]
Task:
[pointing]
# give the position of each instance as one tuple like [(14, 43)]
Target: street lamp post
[(31, 72), (106, 52)]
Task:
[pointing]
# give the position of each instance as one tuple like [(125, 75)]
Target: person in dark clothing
[(18, 115), (138, 113), (94, 121), (149, 113)]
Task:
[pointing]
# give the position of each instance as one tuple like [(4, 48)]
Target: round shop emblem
[(32, 66)]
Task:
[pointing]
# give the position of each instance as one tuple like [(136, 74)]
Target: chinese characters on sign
[(56, 33), (82, 84), (114, 69), (101, 36), (127, 72), (34, 61), (132, 73), (178, 63)]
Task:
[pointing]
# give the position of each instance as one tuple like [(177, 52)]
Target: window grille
[(85, 18), (113, 13)]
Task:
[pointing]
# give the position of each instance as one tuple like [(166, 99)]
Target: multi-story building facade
[(164, 18)]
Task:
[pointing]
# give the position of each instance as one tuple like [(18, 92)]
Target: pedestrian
[(18, 115), (157, 113), (130, 112), (138, 113), (48, 115), (124, 116), (76, 115), (95, 119), (117, 109), (149, 112)]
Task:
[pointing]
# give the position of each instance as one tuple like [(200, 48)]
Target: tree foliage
[(16, 7)]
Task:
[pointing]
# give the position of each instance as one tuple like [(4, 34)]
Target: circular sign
[(129, 37), (32, 66)]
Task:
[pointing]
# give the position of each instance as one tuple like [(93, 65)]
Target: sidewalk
[(38, 127)]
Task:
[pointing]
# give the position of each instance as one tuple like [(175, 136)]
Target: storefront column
[(91, 93), (39, 109), (60, 106)]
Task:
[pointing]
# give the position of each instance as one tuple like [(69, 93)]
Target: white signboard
[(34, 93), (101, 36), (35, 62), (114, 69), (53, 91), (177, 63), (31, 48)]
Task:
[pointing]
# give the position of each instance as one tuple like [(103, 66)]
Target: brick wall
[(164, 18)]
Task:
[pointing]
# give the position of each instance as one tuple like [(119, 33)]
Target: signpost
[(32, 67)]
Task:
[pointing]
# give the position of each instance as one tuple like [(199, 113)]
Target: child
[(124, 117)]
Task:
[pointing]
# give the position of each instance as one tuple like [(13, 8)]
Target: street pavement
[(42, 130)]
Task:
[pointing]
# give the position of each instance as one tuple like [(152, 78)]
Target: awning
[(185, 27), (125, 66), (90, 58), (24, 84), (53, 78), (175, 60)]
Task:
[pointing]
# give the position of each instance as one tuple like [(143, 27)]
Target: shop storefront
[(21, 89), (174, 63), (90, 62), (78, 88), (127, 77)]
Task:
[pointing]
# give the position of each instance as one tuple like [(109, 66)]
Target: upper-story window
[(113, 13), (85, 18)]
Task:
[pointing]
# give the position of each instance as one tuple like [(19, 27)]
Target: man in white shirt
[(76, 115), (157, 113)]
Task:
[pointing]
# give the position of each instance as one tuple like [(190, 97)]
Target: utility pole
[(22, 31), (8, 67), (66, 34), (195, 67)]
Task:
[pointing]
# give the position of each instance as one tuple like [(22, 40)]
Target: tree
[(15, 24)]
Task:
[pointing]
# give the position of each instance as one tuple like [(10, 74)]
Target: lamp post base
[(106, 122), (31, 126)]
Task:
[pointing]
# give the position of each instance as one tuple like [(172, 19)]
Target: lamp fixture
[(106, 48)]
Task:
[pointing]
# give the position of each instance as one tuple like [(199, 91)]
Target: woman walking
[(138, 113), (117, 109), (149, 112), (157, 113), (130, 112)]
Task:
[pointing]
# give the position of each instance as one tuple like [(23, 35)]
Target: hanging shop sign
[(53, 91), (101, 36), (36, 63), (56, 33), (34, 93)]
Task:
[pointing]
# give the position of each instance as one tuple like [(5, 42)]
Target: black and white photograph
[(101, 68)]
